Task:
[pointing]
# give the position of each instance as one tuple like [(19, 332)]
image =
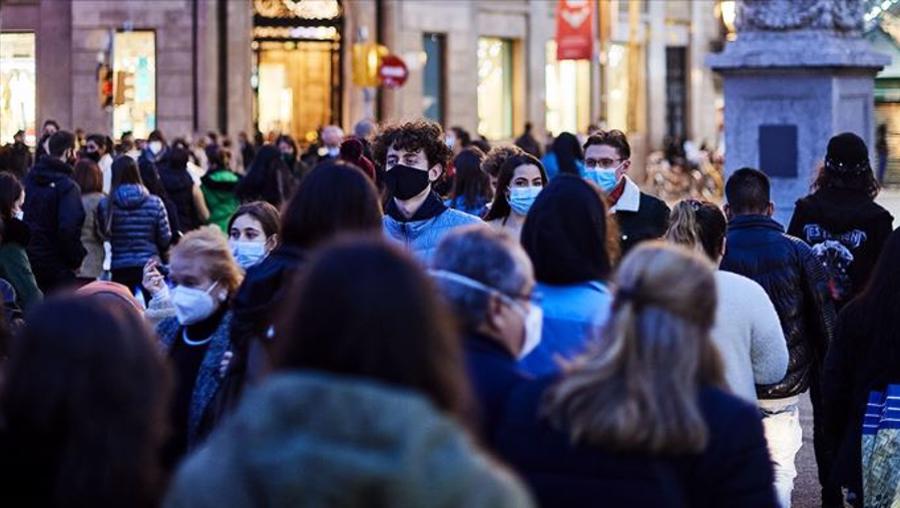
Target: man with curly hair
[(414, 156)]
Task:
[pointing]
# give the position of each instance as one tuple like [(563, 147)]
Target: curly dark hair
[(497, 156), (413, 136)]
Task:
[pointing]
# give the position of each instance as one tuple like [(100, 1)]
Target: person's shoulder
[(455, 217), (734, 282), (653, 203), (722, 410)]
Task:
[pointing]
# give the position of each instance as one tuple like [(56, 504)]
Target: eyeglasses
[(603, 163)]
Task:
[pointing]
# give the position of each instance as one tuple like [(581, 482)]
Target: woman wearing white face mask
[(253, 232), (520, 181), (198, 338)]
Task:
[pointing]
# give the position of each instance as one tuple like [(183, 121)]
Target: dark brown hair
[(614, 138), (88, 176), (698, 225), (413, 136), (263, 212), (125, 171), (334, 197), (10, 191), (84, 403), (365, 308), (494, 159)]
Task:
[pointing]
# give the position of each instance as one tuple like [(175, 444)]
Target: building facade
[(489, 66)]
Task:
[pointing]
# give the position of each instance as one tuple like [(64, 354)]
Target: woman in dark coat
[(864, 357)]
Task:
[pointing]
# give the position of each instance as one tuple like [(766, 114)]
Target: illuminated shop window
[(134, 85), (568, 93), (17, 86), (495, 88)]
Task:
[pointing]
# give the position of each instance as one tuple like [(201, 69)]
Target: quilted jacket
[(138, 227)]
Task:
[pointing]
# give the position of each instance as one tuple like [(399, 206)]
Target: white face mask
[(155, 146), (248, 254), (193, 305), (18, 214), (533, 315)]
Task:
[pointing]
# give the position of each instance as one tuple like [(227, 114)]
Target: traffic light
[(104, 85)]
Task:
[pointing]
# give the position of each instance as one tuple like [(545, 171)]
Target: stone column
[(798, 72)]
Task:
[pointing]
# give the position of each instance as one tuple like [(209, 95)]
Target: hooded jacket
[(14, 266), (846, 230), (797, 284), (422, 232), (366, 444), (54, 214), (218, 189), (138, 227)]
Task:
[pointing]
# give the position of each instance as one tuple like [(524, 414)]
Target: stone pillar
[(798, 72)]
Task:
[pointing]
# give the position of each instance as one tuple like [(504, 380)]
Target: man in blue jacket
[(54, 213), (797, 284), (414, 156)]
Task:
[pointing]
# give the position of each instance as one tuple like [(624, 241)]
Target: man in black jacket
[(787, 269), (54, 213), (607, 158)]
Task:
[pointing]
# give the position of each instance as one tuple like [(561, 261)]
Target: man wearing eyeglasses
[(607, 158)]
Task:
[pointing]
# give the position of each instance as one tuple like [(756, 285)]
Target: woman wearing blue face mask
[(520, 181), (198, 339), (253, 232)]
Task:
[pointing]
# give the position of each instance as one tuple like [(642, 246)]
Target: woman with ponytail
[(642, 419), (747, 331)]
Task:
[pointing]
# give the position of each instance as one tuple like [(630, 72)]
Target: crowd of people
[(409, 317)]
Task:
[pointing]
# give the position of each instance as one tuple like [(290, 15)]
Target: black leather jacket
[(797, 283)]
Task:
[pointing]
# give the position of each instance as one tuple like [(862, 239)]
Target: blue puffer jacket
[(138, 228), (422, 233)]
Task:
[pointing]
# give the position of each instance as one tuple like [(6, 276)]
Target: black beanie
[(847, 153)]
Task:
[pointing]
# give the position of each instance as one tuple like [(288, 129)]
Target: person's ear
[(770, 210), (435, 172), (727, 209), (623, 169), (271, 242), (494, 318)]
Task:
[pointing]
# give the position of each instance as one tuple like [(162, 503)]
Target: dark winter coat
[(734, 470), (151, 180), (254, 305), (649, 222), (180, 188), (846, 230), (268, 179), (14, 265), (54, 215), (795, 280), (138, 228), (845, 387)]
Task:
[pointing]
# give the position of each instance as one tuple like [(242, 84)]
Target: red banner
[(575, 30)]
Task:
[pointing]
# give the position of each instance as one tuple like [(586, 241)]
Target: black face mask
[(94, 156), (405, 182)]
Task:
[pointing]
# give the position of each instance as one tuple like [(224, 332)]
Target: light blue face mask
[(604, 178), (521, 198)]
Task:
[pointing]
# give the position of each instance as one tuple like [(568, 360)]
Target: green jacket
[(310, 439), (15, 268), (218, 191)]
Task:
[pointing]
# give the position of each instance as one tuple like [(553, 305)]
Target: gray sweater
[(748, 335)]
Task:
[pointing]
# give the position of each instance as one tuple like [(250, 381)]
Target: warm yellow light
[(728, 10)]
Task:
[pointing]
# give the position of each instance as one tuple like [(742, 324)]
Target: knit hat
[(114, 290), (352, 152), (847, 154)]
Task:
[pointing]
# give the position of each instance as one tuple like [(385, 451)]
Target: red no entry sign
[(393, 71)]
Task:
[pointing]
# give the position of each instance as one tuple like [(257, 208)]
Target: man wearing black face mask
[(54, 213), (414, 156)]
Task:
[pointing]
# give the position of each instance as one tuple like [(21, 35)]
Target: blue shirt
[(574, 315)]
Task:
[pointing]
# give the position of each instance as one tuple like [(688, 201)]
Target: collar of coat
[(630, 200)]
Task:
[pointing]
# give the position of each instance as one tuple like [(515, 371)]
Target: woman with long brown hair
[(643, 420)]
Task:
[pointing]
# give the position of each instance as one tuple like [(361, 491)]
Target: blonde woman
[(198, 338), (643, 419)]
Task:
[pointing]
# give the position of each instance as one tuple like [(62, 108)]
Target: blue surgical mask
[(605, 178), (521, 198)]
